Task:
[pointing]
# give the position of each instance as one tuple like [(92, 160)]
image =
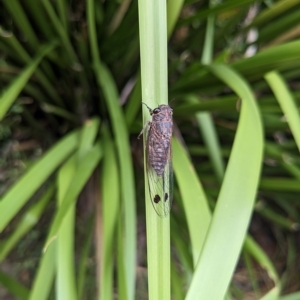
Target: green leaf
[(83, 172), (286, 102), (65, 283), (293, 296), (110, 213), (20, 17), (224, 6), (110, 92), (154, 80), (261, 257), (194, 199), (13, 286), (173, 12), (29, 219), (127, 183), (277, 9), (84, 257), (12, 92), (236, 198), (29, 183), (88, 136), (45, 275)]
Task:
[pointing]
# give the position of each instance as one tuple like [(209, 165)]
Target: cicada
[(159, 158)]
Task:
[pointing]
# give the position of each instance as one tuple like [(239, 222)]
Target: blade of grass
[(177, 283), (87, 139), (182, 249), (173, 11), (251, 272), (45, 275), (20, 17), (236, 199), (194, 199), (12, 92), (293, 296), (61, 31), (204, 119), (153, 48), (13, 286), (65, 282), (107, 84), (275, 217), (134, 103), (260, 256), (272, 12), (279, 184), (88, 136), (269, 59), (110, 209), (28, 184), (83, 173), (278, 57), (210, 139), (71, 55), (22, 55), (118, 16), (29, 219), (63, 12), (224, 6), (227, 103), (286, 102), (16, 48), (109, 89), (84, 257), (34, 8), (58, 111), (273, 294)]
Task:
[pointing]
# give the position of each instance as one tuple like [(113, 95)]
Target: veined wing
[(160, 187)]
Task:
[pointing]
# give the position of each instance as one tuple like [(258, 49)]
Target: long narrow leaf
[(45, 275), (109, 89), (13, 286), (83, 172), (110, 212), (22, 21), (84, 257), (29, 219), (293, 296), (286, 102), (194, 199), (251, 246), (12, 92), (65, 283), (28, 184), (154, 76), (236, 199)]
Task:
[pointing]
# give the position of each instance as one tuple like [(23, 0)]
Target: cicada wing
[(168, 186), (160, 187), (168, 180)]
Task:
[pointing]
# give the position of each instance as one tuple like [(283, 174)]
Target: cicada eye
[(156, 111)]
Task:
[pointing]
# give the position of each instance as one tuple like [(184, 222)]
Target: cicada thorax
[(159, 158)]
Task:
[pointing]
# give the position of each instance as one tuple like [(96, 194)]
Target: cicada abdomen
[(159, 159)]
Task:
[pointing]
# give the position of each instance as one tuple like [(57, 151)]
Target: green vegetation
[(76, 220)]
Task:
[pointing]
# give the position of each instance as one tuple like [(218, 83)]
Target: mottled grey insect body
[(159, 158), (159, 138)]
